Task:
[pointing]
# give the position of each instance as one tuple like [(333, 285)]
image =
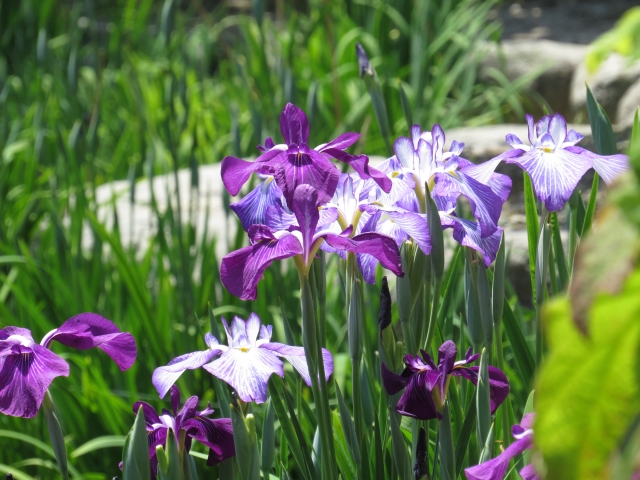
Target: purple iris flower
[(27, 368), (246, 363), (426, 384), (496, 468), (449, 176), (554, 162), (294, 162), (254, 207), (297, 237), (217, 434)]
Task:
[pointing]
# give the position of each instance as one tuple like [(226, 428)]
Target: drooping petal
[(607, 166), (164, 377), (393, 382), (486, 206), (240, 271), (294, 125), (417, 401), (296, 356), (235, 172), (247, 372), (88, 330), (368, 264), (252, 209), (554, 174), (496, 468), (413, 225), (498, 383), (382, 247), (302, 165), (216, 434), (469, 234), (25, 376)]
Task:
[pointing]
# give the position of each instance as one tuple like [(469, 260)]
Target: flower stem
[(313, 354), (356, 343)]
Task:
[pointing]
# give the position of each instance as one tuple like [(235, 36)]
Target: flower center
[(244, 349)]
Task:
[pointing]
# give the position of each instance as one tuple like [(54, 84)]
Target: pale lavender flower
[(246, 363)]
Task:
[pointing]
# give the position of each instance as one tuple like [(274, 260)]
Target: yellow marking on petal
[(395, 174), (547, 149), (244, 349)]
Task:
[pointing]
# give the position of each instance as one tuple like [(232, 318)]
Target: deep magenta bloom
[(246, 363), (27, 368), (217, 434), (426, 383), (555, 163), (496, 468), (294, 163), (297, 235)]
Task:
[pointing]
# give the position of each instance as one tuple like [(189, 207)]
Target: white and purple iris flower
[(555, 163), (217, 434), (28, 368), (294, 163), (297, 235), (496, 468), (426, 383), (246, 363)]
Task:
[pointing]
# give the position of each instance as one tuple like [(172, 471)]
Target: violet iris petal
[(217, 434), (496, 468), (88, 330), (27, 368), (246, 363), (422, 379)]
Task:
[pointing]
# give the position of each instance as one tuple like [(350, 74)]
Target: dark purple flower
[(496, 468), (554, 162), (294, 163), (426, 384), (27, 368), (217, 434), (246, 363), (254, 207), (297, 236)]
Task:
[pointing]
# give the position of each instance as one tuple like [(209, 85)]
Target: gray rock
[(628, 105), (608, 84), (550, 66)]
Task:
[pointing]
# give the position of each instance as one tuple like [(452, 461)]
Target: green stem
[(55, 433), (313, 353)]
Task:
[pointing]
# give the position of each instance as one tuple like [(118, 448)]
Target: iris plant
[(426, 383), (297, 236), (495, 469), (187, 424), (294, 163), (555, 163), (246, 363), (27, 368)]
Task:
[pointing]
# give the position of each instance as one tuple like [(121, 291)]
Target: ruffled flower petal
[(164, 377), (247, 372), (25, 376), (88, 330), (296, 356), (216, 434), (496, 468), (294, 125)]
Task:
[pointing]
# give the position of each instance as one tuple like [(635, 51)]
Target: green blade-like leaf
[(107, 441), (406, 105), (135, 457), (268, 440), (465, 434), (348, 427)]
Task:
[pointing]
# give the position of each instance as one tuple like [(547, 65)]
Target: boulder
[(608, 84), (628, 105), (549, 64)]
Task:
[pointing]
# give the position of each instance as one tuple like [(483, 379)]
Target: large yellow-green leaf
[(588, 392)]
